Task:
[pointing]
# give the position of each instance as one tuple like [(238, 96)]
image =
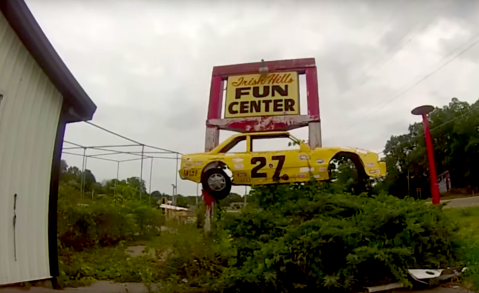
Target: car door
[(272, 160), (237, 157)]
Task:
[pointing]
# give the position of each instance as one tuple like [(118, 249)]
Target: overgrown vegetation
[(290, 238), (299, 238), (94, 230), (467, 220), (81, 268), (105, 222)]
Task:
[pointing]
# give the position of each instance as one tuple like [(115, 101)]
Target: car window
[(265, 144), (238, 145)]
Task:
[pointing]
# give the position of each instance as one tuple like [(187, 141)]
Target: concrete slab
[(139, 250)]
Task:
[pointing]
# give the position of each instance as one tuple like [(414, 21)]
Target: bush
[(469, 249), (303, 238), (467, 220), (193, 261), (105, 263), (105, 222)]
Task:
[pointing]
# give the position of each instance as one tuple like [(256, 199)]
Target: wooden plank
[(257, 124), (250, 68), (386, 287)]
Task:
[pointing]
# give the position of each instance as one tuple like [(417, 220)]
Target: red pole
[(430, 157), (209, 201)]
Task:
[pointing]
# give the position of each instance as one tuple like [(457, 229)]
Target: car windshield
[(264, 143), (237, 145)]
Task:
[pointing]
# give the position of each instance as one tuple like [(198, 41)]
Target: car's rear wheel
[(216, 183)]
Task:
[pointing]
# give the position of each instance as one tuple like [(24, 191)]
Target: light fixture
[(263, 70)]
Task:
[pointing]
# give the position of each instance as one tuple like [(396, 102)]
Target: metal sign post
[(261, 96), (423, 111)]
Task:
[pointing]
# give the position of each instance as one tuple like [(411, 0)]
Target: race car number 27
[(260, 162)]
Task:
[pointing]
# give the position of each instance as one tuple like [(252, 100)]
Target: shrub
[(194, 262), (469, 249), (105, 222), (467, 220), (106, 263), (301, 237)]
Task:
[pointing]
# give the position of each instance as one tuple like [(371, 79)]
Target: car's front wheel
[(216, 183)]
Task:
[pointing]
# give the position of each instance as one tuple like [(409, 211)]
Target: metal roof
[(26, 27), (170, 207)]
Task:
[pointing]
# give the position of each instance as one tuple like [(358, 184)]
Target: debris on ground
[(427, 277)]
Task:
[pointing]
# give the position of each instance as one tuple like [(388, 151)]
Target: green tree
[(135, 182), (63, 166), (185, 201), (232, 197), (156, 194), (455, 138)]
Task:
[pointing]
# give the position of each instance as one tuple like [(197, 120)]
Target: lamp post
[(423, 111)]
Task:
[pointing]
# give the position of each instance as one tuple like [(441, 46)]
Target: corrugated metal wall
[(29, 114)]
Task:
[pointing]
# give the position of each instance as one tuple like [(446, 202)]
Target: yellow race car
[(253, 168)]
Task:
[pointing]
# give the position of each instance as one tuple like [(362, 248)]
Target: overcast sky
[(147, 65)]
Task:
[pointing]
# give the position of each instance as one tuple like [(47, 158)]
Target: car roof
[(266, 133)]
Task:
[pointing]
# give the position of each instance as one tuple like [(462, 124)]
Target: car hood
[(192, 155)]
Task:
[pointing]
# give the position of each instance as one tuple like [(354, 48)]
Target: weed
[(302, 238), (106, 263)]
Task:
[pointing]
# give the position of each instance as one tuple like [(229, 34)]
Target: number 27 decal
[(262, 162)]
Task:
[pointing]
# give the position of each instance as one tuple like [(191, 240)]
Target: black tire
[(223, 187)]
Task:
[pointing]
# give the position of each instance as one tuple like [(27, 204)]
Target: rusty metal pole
[(141, 171), (149, 189), (197, 194), (117, 176), (176, 180), (209, 203), (84, 176), (82, 171), (245, 192)]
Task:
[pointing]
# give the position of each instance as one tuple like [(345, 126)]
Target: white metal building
[(38, 96)]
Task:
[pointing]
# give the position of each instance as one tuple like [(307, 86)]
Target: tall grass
[(467, 222)]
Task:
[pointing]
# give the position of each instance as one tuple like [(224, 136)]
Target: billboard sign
[(253, 95)]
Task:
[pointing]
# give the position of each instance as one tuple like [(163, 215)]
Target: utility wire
[(80, 155), (401, 45), (419, 81), (436, 127), (410, 33), (378, 34), (129, 139)]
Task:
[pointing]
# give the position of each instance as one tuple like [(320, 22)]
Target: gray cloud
[(147, 64)]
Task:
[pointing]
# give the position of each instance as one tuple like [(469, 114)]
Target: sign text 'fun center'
[(253, 95)]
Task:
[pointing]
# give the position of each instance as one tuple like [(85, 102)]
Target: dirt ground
[(109, 287)]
